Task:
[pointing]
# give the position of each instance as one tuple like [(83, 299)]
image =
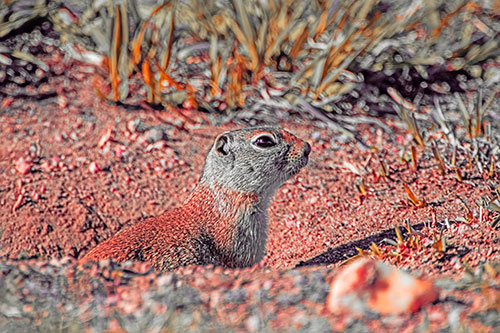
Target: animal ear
[(222, 144)]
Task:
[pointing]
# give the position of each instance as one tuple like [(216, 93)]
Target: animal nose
[(307, 149)]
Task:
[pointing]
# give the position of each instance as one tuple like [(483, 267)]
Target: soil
[(76, 169)]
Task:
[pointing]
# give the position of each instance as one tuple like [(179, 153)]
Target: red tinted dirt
[(76, 169)]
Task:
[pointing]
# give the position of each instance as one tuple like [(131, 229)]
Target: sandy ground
[(76, 169)]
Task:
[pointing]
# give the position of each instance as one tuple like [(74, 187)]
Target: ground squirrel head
[(254, 160)]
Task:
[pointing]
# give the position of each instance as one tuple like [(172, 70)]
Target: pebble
[(105, 138), (94, 168), (136, 125), (252, 324), (22, 166), (153, 135)]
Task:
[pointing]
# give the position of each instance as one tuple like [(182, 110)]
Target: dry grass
[(279, 51)]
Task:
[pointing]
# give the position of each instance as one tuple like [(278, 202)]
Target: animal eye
[(264, 141)]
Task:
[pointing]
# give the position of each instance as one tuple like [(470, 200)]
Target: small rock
[(94, 168), (62, 101), (373, 285), (136, 125), (119, 150), (46, 166), (59, 138), (22, 166), (105, 138), (252, 324), (153, 135), (157, 145)]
